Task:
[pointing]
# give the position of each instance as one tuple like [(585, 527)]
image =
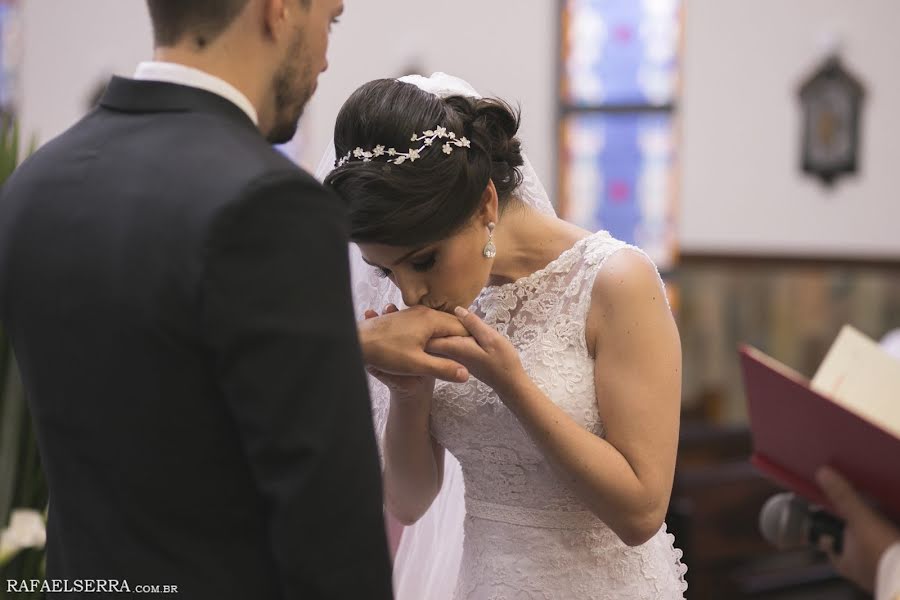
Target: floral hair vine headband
[(412, 155)]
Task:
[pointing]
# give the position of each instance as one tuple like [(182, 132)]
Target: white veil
[(428, 559)]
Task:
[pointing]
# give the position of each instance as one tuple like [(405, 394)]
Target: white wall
[(503, 47), (741, 187), (742, 190), (69, 48)]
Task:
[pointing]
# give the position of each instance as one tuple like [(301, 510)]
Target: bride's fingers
[(391, 308), (370, 314), (483, 333)]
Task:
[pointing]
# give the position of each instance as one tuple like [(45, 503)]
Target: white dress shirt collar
[(189, 76)]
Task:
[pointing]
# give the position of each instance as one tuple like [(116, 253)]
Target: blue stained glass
[(9, 53), (619, 178), (622, 51), (4, 83)]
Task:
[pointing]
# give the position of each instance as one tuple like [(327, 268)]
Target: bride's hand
[(487, 355), (402, 387)]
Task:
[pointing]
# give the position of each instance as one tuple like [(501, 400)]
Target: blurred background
[(678, 125)]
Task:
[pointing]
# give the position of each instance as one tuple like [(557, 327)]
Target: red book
[(796, 430)]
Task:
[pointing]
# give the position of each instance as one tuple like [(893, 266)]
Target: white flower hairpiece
[(413, 154)]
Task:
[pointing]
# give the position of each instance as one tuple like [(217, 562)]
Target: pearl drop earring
[(490, 250)]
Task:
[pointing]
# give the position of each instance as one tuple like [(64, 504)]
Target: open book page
[(859, 375)]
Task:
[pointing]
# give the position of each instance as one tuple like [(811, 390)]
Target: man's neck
[(238, 73)]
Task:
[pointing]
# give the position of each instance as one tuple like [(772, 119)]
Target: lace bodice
[(527, 535), (544, 317)]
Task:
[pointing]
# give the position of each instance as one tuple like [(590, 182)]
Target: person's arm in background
[(278, 316), (871, 552)]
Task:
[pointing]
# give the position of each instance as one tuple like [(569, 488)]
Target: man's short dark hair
[(205, 19)]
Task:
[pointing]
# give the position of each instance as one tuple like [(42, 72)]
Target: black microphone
[(788, 523)]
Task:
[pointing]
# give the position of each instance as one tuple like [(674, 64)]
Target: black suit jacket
[(177, 294)]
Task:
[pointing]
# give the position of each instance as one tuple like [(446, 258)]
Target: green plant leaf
[(22, 482)]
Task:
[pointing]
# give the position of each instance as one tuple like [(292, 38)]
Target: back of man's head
[(203, 19), (270, 50)]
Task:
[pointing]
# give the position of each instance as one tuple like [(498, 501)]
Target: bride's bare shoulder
[(627, 289)]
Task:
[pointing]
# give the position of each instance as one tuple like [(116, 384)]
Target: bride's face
[(441, 275)]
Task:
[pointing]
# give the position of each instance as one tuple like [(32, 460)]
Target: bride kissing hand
[(487, 354), (394, 342)]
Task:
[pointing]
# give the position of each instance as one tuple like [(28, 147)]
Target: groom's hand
[(395, 343), (402, 387)]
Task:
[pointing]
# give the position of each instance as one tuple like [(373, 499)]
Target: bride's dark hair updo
[(417, 203)]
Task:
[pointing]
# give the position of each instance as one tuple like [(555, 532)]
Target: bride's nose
[(412, 290)]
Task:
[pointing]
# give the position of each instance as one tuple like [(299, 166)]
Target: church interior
[(744, 145)]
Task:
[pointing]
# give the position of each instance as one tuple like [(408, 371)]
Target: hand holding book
[(847, 418)]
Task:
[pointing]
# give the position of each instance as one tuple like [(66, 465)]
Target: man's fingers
[(443, 346), (442, 368), (841, 494), (462, 349), (447, 325), (479, 330)]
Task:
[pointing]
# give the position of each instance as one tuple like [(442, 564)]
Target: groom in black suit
[(177, 294)]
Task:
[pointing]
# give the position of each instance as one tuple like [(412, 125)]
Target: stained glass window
[(10, 54), (619, 87)]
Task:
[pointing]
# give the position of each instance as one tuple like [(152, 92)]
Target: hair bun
[(492, 125), (406, 204)]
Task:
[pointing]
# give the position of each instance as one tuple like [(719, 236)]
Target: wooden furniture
[(714, 514)]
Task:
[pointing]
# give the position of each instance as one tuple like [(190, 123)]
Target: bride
[(567, 431)]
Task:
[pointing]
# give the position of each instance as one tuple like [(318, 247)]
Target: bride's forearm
[(413, 461), (592, 467)]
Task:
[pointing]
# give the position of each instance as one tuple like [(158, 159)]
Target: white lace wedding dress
[(527, 536)]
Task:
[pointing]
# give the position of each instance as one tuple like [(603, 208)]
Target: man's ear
[(275, 17)]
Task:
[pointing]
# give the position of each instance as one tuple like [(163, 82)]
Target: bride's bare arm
[(637, 376), (625, 479), (413, 460)]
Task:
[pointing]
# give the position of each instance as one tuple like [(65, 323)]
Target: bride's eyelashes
[(421, 265)]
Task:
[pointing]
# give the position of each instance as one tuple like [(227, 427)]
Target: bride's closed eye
[(420, 265), (424, 264)]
